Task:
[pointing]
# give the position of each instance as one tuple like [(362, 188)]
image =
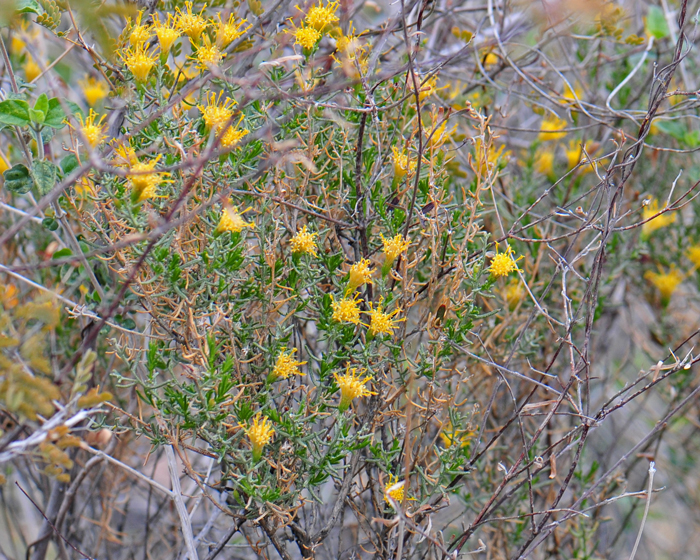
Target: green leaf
[(42, 103), (44, 174), (14, 112), (656, 24), (55, 116), (69, 163), (50, 223), (18, 179), (27, 6), (61, 253), (37, 117)]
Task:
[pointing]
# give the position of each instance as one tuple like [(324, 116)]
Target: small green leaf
[(50, 223), (656, 24), (18, 179), (26, 6), (55, 116), (61, 253), (37, 117), (14, 112), (42, 103), (44, 174), (69, 163)]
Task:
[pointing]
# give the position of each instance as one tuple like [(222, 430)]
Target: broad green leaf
[(55, 117), (656, 24), (37, 117), (14, 112), (44, 174), (18, 179), (69, 163), (27, 6), (42, 103)]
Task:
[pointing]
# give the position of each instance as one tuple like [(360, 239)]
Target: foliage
[(363, 290)]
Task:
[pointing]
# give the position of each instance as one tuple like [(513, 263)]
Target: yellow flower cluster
[(93, 90), (346, 310), (304, 242), (285, 366), (503, 263), (552, 128), (145, 181), (665, 282), (351, 386), (394, 490), (194, 25), (402, 165), (661, 221), (228, 31), (216, 115), (167, 32), (94, 132), (139, 61), (232, 221), (260, 434), (360, 274), (318, 21), (381, 322), (393, 247)]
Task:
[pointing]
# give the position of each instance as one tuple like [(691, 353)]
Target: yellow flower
[(394, 490), (84, 187), (229, 31), (346, 309), (304, 242), (380, 322), (490, 59), (503, 263), (208, 55), (144, 181), (450, 436), (93, 90), (259, 434), (124, 155), (665, 282), (427, 88), (166, 32), (307, 37), (513, 293), (352, 52), (402, 165), (139, 62), (215, 114), (360, 274), (693, 255), (544, 162), (572, 95), (93, 131), (551, 128), (651, 209), (139, 33), (190, 24), (31, 69), (486, 160), (321, 17), (574, 155), (232, 221), (4, 163), (393, 247), (233, 136), (285, 366), (351, 387)]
